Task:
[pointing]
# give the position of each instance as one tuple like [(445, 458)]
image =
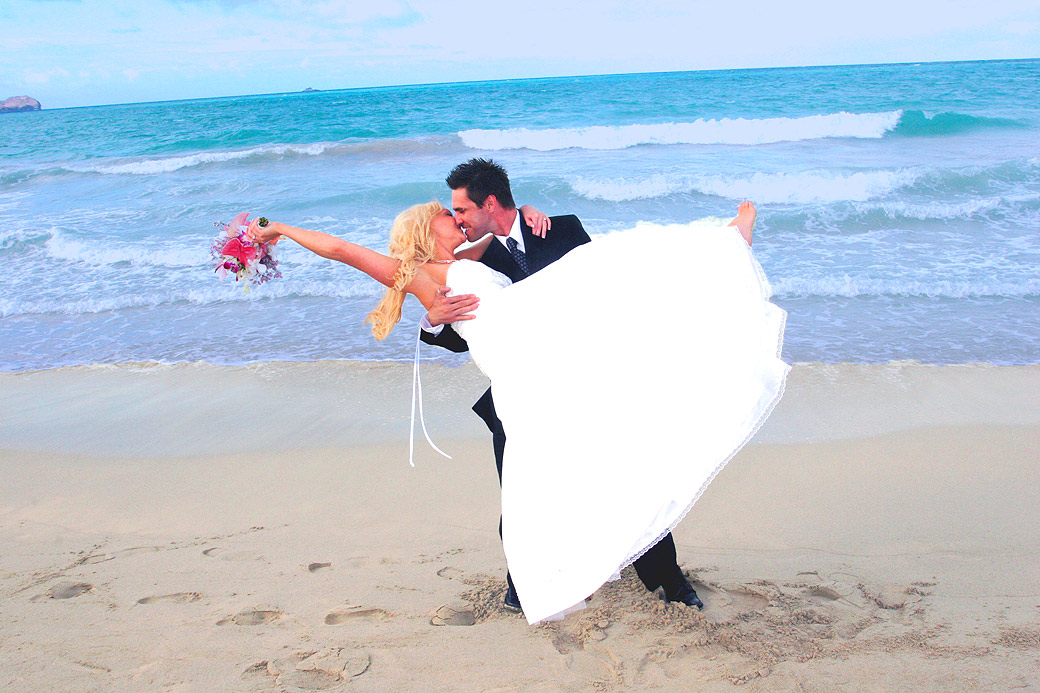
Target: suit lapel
[(498, 258), (533, 247), (538, 250)]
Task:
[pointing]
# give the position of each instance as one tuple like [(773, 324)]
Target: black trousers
[(658, 567)]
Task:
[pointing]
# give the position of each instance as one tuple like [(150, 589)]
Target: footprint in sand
[(102, 557), (448, 572), (251, 617), (312, 671), (356, 613), (67, 590), (601, 672), (454, 614), (225, 555), (888, 597), (565, 643), (315, 567), (917, 588), (726, 603), (179, 597), (830, 591)]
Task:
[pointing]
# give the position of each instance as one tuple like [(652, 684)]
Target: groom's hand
[(448, 309)]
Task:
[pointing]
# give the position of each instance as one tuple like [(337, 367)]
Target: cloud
[(229, 4), (1022, 28), (390, 13), (44, 76), (186, 48)]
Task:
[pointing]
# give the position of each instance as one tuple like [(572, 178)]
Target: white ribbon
[(417, 388)]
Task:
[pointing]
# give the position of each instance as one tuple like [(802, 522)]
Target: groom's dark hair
[(480, 178)]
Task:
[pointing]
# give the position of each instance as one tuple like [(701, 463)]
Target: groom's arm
[(571, 232), (447, 338), (565, 234), (436, 324)]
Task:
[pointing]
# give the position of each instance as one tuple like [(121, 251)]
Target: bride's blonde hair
[(411, 242)]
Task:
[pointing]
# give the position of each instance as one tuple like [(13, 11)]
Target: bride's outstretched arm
[(376, 265)]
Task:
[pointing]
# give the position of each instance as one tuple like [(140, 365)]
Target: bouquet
[(233, 253)]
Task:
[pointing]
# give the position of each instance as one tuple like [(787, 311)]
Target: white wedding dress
[(626, 375)]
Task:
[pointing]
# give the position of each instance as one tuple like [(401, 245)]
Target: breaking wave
[(800, 187), (736, 131), (723, 131)]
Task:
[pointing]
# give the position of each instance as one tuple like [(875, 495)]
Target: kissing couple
[(626, 371)]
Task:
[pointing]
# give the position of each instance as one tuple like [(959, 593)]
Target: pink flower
[(239, 221), (237, 249)]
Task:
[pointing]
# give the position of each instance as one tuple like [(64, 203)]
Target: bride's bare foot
[(745, 219)]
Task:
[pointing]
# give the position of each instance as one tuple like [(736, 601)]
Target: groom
[(483, 203)]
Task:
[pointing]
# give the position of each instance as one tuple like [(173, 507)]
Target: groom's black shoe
[(686, 595), (511, 601)]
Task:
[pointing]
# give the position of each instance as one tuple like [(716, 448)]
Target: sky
[(87, 52)]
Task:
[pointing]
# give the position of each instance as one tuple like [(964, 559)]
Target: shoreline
[(187, 409), (145, 364)]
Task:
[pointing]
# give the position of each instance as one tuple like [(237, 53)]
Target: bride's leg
[(745, 219)]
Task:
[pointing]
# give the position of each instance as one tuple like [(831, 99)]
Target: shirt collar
[(514, 232)]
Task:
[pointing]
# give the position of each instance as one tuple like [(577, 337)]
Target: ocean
[(899, 205)]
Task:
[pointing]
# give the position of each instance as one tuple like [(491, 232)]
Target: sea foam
[(60, 247), (850, 286), (797, 187), (153, 166), (211, 293), (723, 131)]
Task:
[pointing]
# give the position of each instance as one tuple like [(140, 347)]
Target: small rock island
[(19, 103)]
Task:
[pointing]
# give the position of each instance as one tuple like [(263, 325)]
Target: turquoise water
[(899, 204)]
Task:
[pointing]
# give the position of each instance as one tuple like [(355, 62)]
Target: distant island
[(308, 90), (19, 103)]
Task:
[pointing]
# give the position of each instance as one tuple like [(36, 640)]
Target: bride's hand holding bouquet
[(262, 231), (236, 253)]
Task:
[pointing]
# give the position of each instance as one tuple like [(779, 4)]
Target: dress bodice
[(471, 277)]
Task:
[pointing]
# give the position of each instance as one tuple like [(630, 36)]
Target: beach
[(185, 527), (206, 486)]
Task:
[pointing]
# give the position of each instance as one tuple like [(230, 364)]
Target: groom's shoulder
[(570, 225)]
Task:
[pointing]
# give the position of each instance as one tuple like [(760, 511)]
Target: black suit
[(657, 567)]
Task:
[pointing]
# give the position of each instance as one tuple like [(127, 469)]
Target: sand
[(205, 528)]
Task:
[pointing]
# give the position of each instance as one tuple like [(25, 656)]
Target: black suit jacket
[(566, 234)]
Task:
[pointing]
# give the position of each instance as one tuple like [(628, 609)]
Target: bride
[(612, 438)]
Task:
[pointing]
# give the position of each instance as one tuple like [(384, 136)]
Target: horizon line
[(543, 77)]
